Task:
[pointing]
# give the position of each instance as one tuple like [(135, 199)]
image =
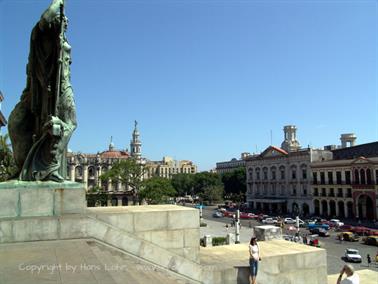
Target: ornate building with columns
[(279, 179), (346, 186), (87, 168), (232, 165)]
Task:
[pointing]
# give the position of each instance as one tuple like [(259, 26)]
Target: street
[(335, 249)]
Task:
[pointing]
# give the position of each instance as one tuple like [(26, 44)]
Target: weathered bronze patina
[(41, 124)]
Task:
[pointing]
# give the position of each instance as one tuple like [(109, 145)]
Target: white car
[(352, 255), (337, 222), (269, 221), (289, 221)]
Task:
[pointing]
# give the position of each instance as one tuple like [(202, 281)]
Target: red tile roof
[(115, 154)]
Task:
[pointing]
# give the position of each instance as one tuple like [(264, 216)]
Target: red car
[(228, 214), (346, 228), (373, 232), (360, 230), (244, 215), (330, 224)]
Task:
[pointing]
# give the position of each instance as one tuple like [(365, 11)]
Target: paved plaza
[(73, 262)]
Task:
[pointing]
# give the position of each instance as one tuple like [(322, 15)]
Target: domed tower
[(348, 139), (136, 144), (290, 144), (111, 144)]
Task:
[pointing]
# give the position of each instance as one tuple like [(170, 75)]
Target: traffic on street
[(343, 242)]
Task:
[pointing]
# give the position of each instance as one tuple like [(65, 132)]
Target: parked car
[(289, 221), (269, 221), (244, 215), (228, 214), (348, 236), (373, 232), (319, 231), (218, 214), (352, 255), (261, 217), (371, 240), (337, 222), (346, 228), (318, 225), (360, 230), (329, 223)]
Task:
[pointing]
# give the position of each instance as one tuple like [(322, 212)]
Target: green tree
[(213, 193), (129, 172), (97, 197), (235, 184), (183, 183), (7, 164), (157, 190), (205, 179)]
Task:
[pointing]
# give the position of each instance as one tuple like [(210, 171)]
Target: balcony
[(363, 186)]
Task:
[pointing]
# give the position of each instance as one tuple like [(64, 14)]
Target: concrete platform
[(166, 237), (282, 263), (367, 276)]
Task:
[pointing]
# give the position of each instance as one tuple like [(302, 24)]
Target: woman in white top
[(254, 258), (352, 277)]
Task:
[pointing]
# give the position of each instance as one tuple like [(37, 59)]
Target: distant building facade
[(233, 164), (3, 121), (168, 167), (279, 180), (346, 186), (87, 168)]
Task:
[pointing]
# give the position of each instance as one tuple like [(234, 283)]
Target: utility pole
[(237, 227)]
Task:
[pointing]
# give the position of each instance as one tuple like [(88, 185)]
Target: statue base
[(36, 198)]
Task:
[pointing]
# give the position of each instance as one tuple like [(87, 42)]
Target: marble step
[(129, 268)]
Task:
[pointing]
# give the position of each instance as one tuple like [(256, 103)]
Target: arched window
[(91, 172), (362, 176), (250, 174), (304, 171), (78, 172), (257, 173), (368, 176), (273, 172), (293, 172), (265, 171), (282, 172), (356, 177)]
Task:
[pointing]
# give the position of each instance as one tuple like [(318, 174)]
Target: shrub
[(219, 241)]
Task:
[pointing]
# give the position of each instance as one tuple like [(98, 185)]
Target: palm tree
[(7, 165)]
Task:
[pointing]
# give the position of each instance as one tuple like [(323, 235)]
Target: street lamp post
[(237, 227)]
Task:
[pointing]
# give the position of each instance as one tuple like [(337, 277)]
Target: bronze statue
[(41, 124)]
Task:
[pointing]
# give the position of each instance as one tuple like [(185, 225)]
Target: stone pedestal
[(33, 199), (267, 233)]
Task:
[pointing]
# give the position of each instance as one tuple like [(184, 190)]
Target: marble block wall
[(267, 232), (175, 228)]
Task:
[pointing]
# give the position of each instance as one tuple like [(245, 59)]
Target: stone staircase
[(124, 268)]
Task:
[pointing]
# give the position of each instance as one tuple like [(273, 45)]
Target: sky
[(208, 79)]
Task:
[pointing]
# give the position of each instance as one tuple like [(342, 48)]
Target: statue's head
[(57, 21)]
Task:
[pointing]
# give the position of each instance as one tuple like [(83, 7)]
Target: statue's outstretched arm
[(51, 12)]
